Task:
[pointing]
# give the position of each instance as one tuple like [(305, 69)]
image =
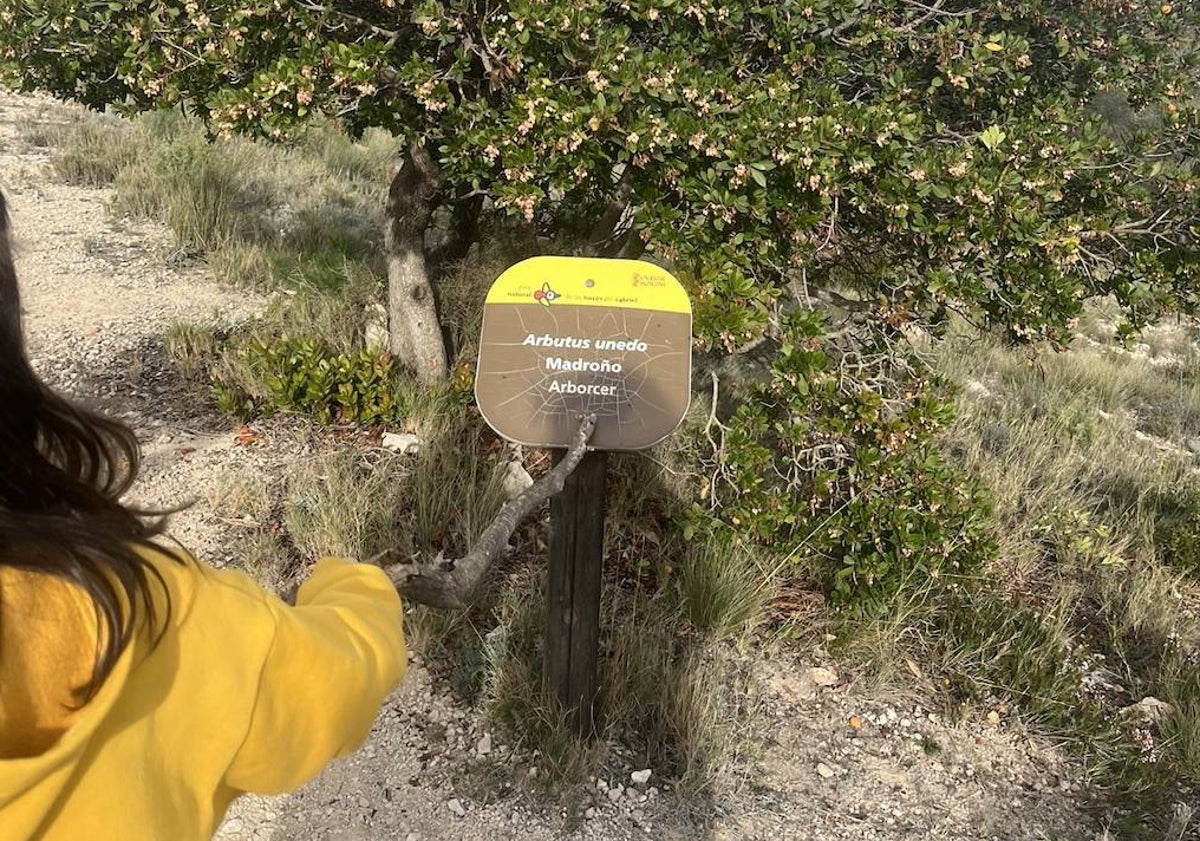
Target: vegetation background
[(943, 259)]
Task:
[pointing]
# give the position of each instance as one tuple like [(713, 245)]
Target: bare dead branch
[(840, 301), (448, 584), (392, 35)]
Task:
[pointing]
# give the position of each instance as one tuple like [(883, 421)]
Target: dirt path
[(99, 292)]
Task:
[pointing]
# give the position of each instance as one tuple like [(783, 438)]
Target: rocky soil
[(835, 761)]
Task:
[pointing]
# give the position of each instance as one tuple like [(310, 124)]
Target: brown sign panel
[(565, 337)]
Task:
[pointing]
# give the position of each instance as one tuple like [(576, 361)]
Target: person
[(142, 691)]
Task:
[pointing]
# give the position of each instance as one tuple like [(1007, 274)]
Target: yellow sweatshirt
[(241, 694)]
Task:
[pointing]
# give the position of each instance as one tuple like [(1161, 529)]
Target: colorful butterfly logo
[(545, 295)]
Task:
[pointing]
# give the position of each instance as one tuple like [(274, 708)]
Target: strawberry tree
[(936, 156), (890, 162)]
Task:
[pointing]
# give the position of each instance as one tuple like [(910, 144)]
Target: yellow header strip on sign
[(590, 282)]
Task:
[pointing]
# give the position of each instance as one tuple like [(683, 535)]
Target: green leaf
[(992, 137)]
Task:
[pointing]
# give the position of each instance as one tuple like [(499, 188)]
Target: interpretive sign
[(568, 338), (565, 337)]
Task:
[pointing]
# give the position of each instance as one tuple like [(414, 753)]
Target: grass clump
[(681, 705), (241, 494), (724, 589), (456, 491), (348, 502), (1085, 611), (211, 196), (192, 347), (93, 152), (342, 504)]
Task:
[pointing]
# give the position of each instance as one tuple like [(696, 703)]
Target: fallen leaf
[(912, 667), (245, 437), (855, 723), (186, 451)]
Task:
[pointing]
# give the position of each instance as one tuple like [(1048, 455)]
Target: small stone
[(824, 770), (401, 442), (590, 814), (376, 332), (993, 718), (614, 795), (457, 807), (822, 676), (1149, 710), (516, 479), (641, 777), (484, 746), (233, 826), (977, 389)]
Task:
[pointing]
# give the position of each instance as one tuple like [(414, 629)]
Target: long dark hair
[(63, 470)]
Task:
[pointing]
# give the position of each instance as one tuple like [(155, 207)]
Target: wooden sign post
[(566, 338)]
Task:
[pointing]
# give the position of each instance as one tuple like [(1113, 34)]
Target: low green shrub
[(302, 375), (832, 459)]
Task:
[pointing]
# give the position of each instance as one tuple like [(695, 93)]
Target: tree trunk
[(607, 236), (415, 334), (464, 232)]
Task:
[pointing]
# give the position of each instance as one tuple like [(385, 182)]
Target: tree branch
[(446, 583), (392, 35)]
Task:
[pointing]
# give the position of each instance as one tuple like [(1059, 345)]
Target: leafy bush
[(1003, 159), (301, 375), (832, 459)]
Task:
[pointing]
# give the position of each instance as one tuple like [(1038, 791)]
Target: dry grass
[(241, 494), (1095, 489), (266, 558), (190, 346), (93, 151), (238, 203), (344, 505)]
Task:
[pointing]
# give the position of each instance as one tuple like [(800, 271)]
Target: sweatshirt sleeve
[(333, 659)]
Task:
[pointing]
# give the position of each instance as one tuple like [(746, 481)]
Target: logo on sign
[(545, 295)]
